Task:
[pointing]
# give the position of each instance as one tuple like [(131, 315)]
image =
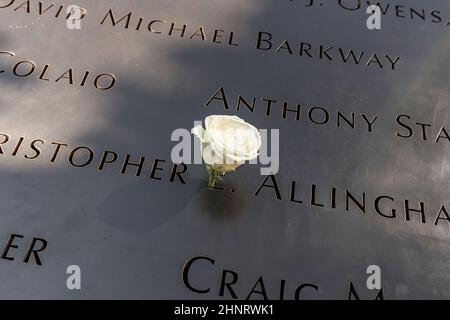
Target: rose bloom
[(227, 142)]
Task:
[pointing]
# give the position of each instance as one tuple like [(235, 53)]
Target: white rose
[(227, 142)]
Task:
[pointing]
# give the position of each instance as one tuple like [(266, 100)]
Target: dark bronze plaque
[(89, 188)]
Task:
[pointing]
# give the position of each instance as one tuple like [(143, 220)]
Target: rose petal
[(199, 132)]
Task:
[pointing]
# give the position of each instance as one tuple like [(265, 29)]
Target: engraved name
[(407, 128), (385, 206), (274, 107), (235, 286), (39, 8), (399, 11), (88, 157), (339, 199), (173, 29), (24, 68), (33, 251), (264, 41)]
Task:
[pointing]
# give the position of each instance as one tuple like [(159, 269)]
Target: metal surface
[(131, 236)]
